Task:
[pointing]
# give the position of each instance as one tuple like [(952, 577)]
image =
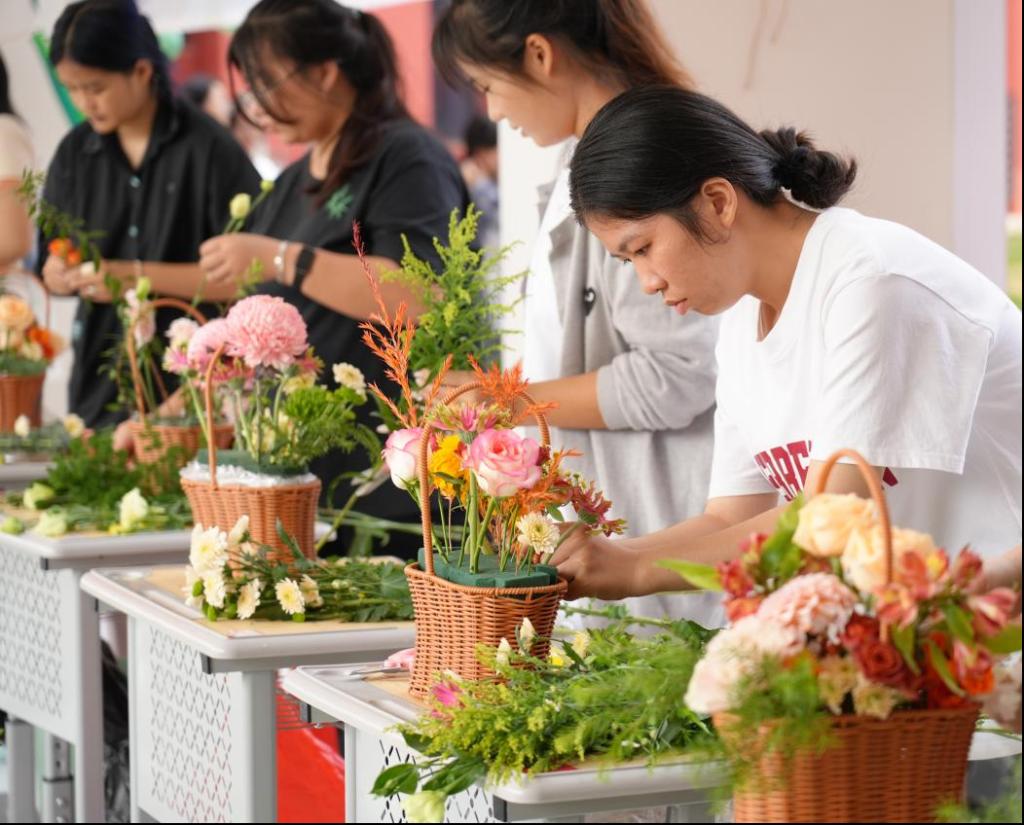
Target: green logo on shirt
[(338, 203)]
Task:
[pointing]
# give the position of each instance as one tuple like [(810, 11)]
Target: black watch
[(303, 263)]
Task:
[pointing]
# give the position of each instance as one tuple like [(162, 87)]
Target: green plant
[(606, 694), (462, 304)]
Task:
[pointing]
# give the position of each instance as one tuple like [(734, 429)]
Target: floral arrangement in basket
[(230, 576), (857, 653), (604, 695), (490, 572), (26, 350), (259, 358)]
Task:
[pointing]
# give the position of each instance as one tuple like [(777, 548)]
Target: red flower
[(896, 606), (881, 662), (992, 611), (736, 609), (937, 695), (973, 668), (735, 579), (965, 569), (858, 630), (923, 573), (751, 546)]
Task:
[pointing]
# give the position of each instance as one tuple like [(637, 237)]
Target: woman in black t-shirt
[(323, 74), (152, 174)]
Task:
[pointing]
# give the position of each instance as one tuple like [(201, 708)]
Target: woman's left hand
[(228, 259)]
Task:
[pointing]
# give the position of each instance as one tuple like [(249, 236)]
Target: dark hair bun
[(813, 176)]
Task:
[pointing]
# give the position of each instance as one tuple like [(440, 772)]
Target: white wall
[(914, 89)]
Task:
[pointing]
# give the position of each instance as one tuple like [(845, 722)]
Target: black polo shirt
[(161, 211), (409, 186)]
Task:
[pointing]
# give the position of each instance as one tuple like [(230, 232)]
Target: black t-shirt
[(409, 187), (161, 211)]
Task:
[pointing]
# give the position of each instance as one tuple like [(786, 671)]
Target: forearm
[(15, 230), (177, 280), (576, 399), (338, 282)]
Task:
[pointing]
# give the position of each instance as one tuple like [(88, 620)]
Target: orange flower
[(50, 343), (64, 248)]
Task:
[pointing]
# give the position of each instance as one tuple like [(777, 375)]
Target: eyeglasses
[(249, 104)]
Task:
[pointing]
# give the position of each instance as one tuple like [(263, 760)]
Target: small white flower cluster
[(73, 425), (348, 375)]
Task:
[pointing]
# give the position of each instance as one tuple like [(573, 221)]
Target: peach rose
[(827, 520), (15, 314), (864, 558)]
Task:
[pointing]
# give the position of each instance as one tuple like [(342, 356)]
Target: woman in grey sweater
[(633, 383)]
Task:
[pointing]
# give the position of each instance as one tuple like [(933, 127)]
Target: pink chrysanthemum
[(266, 331), (818, 604), (205, 341)]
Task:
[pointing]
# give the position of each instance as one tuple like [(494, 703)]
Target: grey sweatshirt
[(656, 390)]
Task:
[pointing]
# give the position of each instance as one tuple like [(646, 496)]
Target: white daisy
[(214, 589), (347, 375), (289, 596), (208, 552), (133, 509), (74, 426), (310, 592), (238, 531), (249, 598)]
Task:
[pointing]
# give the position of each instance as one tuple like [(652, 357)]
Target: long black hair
[(111, 35), (650, 149), (308, 32), (615, 39), (5, 95)]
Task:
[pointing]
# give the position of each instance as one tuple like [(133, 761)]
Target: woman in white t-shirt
[(15, 158), (838, 330), (633, 384)]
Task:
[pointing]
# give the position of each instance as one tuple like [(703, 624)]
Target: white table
[(50, 664), (16, 474), (370, 707), (202, 695)]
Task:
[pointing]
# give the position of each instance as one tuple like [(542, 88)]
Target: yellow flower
[(872, 699), (837, 676), (446, 460)]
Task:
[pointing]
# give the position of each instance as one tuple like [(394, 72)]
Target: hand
[(57, 275), (226, 259), (454, 379), (123, 438), (89, 284), (598, 567)]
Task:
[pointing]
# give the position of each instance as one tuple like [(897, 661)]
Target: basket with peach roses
[(856, 661)]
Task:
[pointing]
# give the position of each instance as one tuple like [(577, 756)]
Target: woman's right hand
[(123, 438), (58, 276)]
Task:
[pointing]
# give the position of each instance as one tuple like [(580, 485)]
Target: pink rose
[(266, 331), (402, 455), (504, 462)]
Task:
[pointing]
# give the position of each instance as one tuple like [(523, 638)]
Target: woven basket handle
[(211, 445), (424, 448), (133, 357), (875, 487)]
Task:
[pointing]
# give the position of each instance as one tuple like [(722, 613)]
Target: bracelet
[(282, 250), (303, 263)]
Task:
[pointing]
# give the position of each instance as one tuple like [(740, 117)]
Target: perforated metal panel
[(34, 671), (184, 727), (372, 755)]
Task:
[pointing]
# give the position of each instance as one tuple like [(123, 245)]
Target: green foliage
[(462, 306), (49, 438), (13, 364), (328, 422), (609, 695)]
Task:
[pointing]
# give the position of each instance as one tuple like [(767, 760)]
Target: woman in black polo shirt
[(322, 74), (151, 173)]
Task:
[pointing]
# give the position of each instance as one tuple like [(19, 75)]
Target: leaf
[(941, 665), (289, 541), (903, 639), (701, 576), (1005, 641), (959, 621), (397, 779), (457, 775)]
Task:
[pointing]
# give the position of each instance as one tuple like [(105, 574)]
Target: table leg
[(21, 770), (88, 740), (254, 745), (57, 785), (134, 751)]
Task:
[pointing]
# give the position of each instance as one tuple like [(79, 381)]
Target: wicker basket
[(20, 395), (899, 769), (221, 505), (453, 619), (152, 441)]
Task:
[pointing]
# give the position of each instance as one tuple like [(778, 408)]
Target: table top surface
[(156, 595)]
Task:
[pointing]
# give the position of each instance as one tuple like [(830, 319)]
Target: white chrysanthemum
[(539, 532), (289, 596), (22, 426), (734, 654), (238, 532), (347, 375), (208, 552), (180, 332), (74, 426), (249, 598), (527, 635), (133, 509), (581, 643), (191, 599), (215, 589), (310, 592)]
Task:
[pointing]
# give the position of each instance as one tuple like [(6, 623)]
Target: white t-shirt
[(891, 345), (15, 148), (542, 324)]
